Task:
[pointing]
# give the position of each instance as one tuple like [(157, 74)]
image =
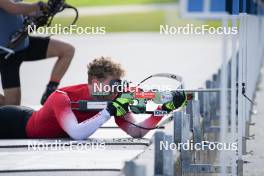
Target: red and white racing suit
[(57, 118)]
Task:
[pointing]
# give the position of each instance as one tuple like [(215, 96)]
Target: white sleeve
[(68, 121), (86, 128)]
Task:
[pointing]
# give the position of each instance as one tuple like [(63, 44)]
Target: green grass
[(133, 22), (109, 2), (129, 22), (214, 23)]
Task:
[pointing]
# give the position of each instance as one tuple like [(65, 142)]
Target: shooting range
[(223, 73)]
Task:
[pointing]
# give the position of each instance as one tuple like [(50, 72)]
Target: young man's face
[(105, 83)]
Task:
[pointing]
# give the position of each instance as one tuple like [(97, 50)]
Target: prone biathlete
[(29, 49), (59, 119)]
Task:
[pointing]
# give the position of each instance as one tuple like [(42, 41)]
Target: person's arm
[(68, 121), (19, 8), (134, 131)]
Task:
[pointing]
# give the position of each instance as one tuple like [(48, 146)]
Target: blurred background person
[(29, 49)]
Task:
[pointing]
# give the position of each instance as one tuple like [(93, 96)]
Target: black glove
[(119, 107), (179, 99), (51, 87)]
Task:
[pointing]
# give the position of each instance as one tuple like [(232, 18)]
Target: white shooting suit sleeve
[(69, 123)]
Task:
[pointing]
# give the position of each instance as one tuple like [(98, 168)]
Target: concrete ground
[(100, 154)]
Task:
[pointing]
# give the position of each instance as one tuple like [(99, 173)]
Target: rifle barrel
[(201, 90)]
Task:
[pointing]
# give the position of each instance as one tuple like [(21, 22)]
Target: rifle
[(48, 13), (140, 99), (137, 96)]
